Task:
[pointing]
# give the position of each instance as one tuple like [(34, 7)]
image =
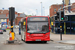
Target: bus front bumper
[(38, 39)]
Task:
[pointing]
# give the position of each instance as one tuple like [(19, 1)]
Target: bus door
[(23, 30)]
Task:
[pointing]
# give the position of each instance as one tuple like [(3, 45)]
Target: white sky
[(29, 6)]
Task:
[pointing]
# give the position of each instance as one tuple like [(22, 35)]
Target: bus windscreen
[(38, 27)]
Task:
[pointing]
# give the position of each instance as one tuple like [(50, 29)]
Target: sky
[(29, 6)]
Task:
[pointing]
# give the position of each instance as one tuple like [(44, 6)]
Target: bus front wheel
[(26, 41), (45, 41), (22, 39)]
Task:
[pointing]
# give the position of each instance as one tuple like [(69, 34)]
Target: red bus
[(35, 28)]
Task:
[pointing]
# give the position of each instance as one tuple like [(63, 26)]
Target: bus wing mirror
[(24, 23)]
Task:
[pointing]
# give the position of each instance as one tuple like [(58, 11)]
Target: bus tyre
[(45, 41), (22, 39), (26, 41)]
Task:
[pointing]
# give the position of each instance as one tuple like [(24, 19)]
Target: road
[(32, 46)]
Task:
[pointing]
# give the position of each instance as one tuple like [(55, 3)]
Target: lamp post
[(41, 8), (44, 11), (36, 12)]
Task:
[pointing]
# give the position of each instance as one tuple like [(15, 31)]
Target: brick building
[(73, 7), (18, 18), (4, 15), (4, 11), (54, 8)]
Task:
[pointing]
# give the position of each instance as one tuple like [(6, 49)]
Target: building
[(55, 7), (4, 16), (18, 18), (73, 7), (68, 26), (4, 11)]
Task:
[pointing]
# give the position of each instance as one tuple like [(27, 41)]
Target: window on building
[(55, 10), (3, 20), (72, 17)]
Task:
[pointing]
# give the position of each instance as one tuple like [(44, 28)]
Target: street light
[(44, 11), (41, 8), (36, 12)]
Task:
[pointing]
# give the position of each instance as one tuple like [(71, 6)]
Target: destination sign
[(37, 19)]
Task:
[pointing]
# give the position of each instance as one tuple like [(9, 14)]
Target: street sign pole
[(60, 24), (60, 30), (63, 8), (11, 18)]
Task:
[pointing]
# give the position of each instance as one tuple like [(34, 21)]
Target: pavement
[(66, 38)]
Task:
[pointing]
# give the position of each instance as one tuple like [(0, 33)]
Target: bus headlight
[(28, 35)]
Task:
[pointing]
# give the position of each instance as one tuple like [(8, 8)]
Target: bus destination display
[(37, 19)]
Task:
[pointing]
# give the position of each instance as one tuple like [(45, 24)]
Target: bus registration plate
[(38, 39)]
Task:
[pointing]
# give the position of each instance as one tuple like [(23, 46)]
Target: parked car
[(4, 28), (1, 31)]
